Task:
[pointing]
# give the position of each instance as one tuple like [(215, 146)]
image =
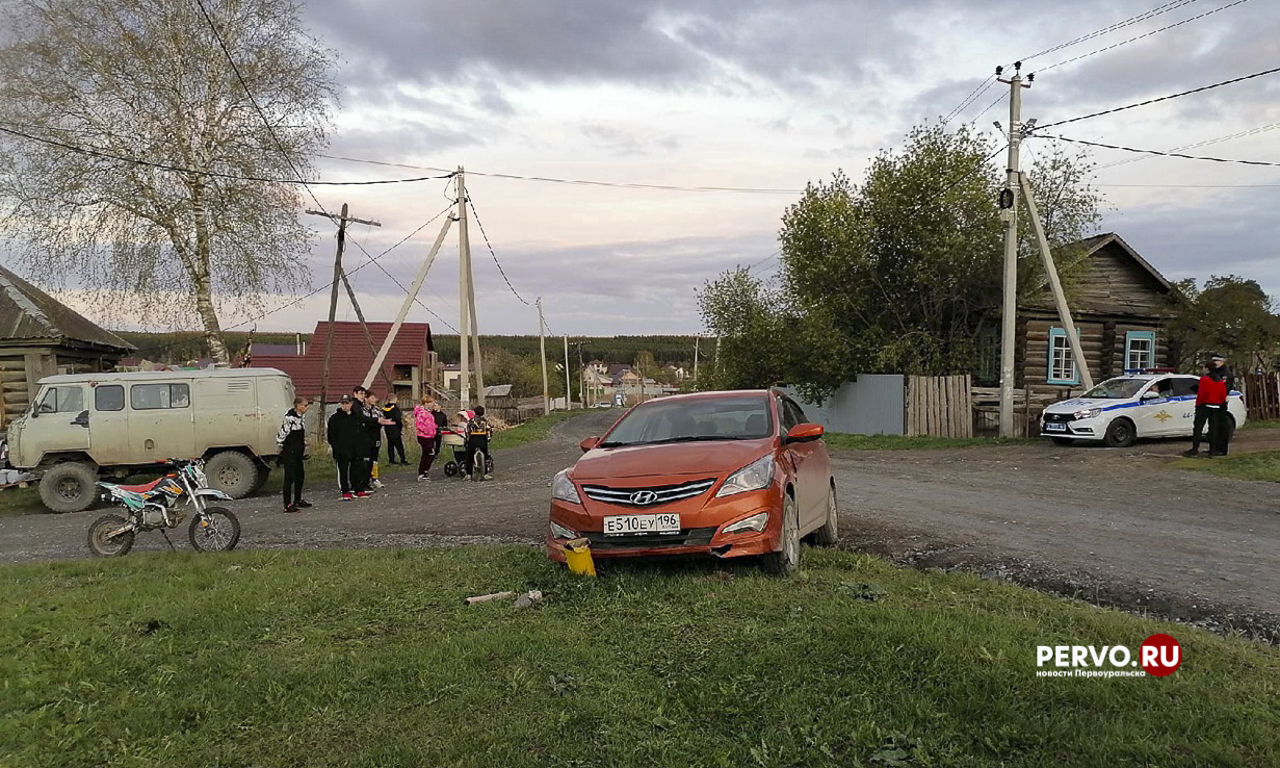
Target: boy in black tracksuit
[(292, 442), (362, 470), (346, 431), (394, 430)]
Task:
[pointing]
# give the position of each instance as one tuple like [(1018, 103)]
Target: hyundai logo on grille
[(643, 498)]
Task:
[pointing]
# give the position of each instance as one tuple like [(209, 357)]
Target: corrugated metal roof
[(28, 314), (351, 357)]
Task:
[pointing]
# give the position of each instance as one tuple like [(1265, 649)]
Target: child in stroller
[(457, 438)]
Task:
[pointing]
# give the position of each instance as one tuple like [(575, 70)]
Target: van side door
[(59, 421), (160, 421)]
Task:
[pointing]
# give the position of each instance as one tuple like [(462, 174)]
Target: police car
[(1121, 410)]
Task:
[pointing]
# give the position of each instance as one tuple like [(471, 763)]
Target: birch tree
[(90, 87)]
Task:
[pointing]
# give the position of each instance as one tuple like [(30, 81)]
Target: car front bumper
[(701, 531), (1080, 429)]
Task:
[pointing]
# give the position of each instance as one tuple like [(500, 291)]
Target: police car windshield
[(1119, 389)]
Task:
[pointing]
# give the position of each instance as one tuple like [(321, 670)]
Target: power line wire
[(1144, 35), (1157, 11), (1159, 153), (300, 299), (93, 152), (503, 272), (1205, 143), (584, 182), (1201, 89)]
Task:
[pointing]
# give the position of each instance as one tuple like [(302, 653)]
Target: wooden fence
[(939, 406), (1262, 395)]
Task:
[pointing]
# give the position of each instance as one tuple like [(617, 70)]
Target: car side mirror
[(804, 433), (1151, 395), (589, 443)]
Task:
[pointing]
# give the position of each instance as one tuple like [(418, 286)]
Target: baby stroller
[(460, 465)]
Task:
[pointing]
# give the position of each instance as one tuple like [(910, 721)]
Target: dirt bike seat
[(142, 488)]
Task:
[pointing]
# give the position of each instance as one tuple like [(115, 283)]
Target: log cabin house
[(1119, 305)]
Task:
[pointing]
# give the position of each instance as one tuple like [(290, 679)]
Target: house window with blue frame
[(1139, 349), (1062, 367)]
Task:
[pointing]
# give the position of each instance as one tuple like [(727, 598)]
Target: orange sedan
[(727, 474)]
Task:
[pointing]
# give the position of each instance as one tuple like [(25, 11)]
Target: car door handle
[(82, 420)]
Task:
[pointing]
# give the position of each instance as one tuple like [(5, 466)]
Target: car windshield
[(1117, 388), (746, 417)]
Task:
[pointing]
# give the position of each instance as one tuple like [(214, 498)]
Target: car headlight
[(1087, 413), (756, 523), (562, 488), (756, 475), (560, 532)]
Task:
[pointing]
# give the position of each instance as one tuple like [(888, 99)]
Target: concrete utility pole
[(696, 339), (1009, 209), (542, 344), (333, 303), (408, 302), (464, 296), (567, 390)]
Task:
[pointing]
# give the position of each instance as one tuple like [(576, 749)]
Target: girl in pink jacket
[(426, 429)]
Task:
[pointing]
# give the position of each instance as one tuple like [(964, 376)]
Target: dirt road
[(1115, 526)]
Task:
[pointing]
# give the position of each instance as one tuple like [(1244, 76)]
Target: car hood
[(1075, 404), (712, 457)]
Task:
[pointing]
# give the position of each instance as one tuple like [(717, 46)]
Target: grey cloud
[(620, 140)]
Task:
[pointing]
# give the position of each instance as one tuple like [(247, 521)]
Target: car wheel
[(68, 486), (1062, 440), (785, 561), (1120, 433), (828, 534), (232, 472)]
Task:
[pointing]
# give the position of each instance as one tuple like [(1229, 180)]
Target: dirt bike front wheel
[(103, 544), (216, 531)]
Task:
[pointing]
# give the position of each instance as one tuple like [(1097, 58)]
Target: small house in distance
[(40, 336), (405, 373)]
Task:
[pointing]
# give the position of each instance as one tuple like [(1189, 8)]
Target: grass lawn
[(840, 441), (1263, 466), (320, 466), (369, 658)]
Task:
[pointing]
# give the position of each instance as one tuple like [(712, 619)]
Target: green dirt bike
[(154, 506)]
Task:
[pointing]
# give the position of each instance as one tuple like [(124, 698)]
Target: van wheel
[(232, 472), (68, 486)]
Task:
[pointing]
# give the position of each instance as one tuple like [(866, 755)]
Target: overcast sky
[(757, 94)]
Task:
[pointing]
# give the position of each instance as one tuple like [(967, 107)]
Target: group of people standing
[(431, 424), (1212, 392), (355, 438)]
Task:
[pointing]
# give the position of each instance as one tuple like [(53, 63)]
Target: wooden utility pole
[(368, 337), (342, 219), (542, 344), (567, 391)]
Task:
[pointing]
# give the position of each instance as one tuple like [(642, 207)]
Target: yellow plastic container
[(577, 554)]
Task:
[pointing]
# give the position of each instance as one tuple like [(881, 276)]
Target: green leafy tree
[(900, 274), (1229, 315), (95, 84)]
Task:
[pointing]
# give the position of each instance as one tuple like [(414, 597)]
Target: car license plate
[(667, 522), (1055, 427)]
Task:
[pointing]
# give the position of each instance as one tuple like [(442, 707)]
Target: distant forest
[(182, 346)]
